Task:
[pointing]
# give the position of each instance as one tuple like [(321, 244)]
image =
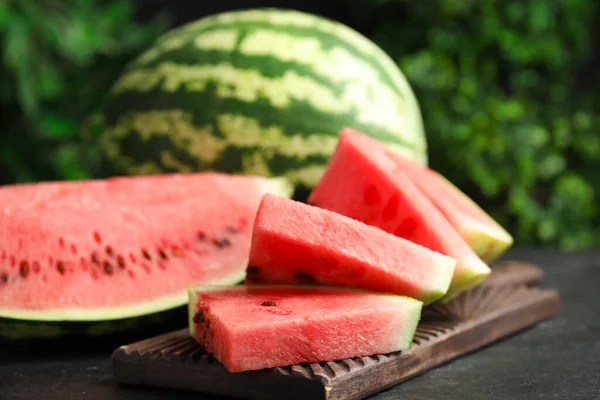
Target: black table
[(557, 359)]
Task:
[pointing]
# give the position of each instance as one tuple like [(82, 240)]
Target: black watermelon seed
[(121, 261), (4, 277), (221, 243), (162, 254), (109, 250), (146, 255), (24, 268), (60, 266), (95, 259), (198, 317), (304, 277), (252, 273), (108, 268), (268, 303)]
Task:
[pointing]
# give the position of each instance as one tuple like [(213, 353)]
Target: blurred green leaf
[(59, 58), (58, 127), (5, 15)]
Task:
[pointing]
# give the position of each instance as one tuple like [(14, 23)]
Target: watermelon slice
[(296, 243), (256, 327), (364, 181), (487, 238), (120, 248)]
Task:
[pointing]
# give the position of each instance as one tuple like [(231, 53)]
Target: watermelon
[(293, 242), (260, 92), (487, 238), (115, 249), (365, 181), (256, 327)]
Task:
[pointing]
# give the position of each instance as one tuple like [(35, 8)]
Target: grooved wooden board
[(507, 302)]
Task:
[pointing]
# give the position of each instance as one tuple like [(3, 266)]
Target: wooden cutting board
[(507, 302)]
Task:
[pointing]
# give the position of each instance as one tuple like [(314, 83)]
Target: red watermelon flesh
[(364, 181), (256, 327), (122, 247), (296, 243)]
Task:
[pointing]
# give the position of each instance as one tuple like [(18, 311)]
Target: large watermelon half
[(255, 327), (261, 92), (108, 250), (365, 181)]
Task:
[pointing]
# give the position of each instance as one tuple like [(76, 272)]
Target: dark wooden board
[(507, 302)]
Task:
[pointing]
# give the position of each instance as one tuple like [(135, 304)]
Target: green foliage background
[(59, 58), (510, 114)]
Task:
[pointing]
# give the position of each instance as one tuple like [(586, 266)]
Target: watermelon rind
[(26, 324), (17, 330), (443, 281), (260, 91), (474, 272)]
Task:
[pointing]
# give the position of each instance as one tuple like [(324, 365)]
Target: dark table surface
[(556, 359)]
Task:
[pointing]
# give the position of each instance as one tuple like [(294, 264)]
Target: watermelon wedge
[(293, 242), (108, 250), (256, 327), (487, 238), (364, 181)]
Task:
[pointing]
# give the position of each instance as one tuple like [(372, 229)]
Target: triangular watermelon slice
[(487, 238), (255, 327), (365, 181), (293, 242)]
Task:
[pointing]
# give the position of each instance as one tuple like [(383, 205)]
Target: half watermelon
[(296, 243), (256, 327), (365, 181), (87, 252)]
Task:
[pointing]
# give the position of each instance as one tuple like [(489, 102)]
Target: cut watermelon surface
[(256, 327), (111, 249), (364, 181), (296, 243)]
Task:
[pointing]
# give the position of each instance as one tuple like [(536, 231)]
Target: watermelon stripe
[(249, 84), (330, 41), (247, 160), (303, 25), (312, 120), (226, 83), (185, 150), (270, 67)]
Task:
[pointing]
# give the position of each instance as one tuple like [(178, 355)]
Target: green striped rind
[(18, 329), (259, 91)]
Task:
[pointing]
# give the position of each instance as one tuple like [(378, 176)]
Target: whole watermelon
[(263, 91)]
